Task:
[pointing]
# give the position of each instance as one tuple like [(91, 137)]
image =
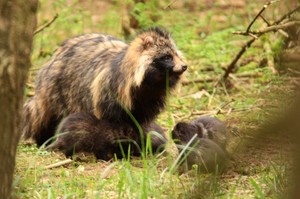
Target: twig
[(277, 27), (223, 106), (58, 164), (269, 28), (259, 13), (170, 4), (283, 33), (259, 33), (274, 27), (265, 20), (287, 15), (231, 66), (46, 25)]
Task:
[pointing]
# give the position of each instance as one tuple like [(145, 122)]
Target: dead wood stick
[(269, 28), (283, 33), (231, 66), (46, 25), (287, 15), (259, 13), (274, 27), (58, 164)]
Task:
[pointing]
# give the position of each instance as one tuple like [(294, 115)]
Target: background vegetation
[(203, 32)]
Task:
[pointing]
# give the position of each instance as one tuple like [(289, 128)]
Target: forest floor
[(259, 90)]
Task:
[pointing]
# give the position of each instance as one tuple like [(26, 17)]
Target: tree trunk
[(17, 23)]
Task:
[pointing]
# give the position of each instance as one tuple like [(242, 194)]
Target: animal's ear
[(200, 130), (148, 42)]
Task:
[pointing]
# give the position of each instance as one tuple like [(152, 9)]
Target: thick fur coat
[(83, 132), (106, 77)]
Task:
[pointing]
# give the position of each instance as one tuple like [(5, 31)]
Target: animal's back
[(68, 75)]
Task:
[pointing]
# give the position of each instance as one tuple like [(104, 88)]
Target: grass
[(259, 165)]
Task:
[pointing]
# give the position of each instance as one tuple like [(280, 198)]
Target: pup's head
[(183, 132)]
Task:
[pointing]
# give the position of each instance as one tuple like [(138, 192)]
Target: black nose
[(184, 67)]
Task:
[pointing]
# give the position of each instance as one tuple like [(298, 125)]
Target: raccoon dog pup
[(84, 132), (214, 128), (204, 152), (104, 76), (206, 127)]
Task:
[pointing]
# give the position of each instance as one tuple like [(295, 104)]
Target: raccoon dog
[(104, 76), (206, 127), (204, 152), (214, 129), (83, 132)]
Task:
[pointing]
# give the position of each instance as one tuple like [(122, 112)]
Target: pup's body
[(204, 152), (215, 129), (104, 76), (83, 132)]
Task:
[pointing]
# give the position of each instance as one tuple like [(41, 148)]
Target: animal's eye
[(167, 58)]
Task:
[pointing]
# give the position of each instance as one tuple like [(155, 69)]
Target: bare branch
[(46, 25), (265, 20), (269, 28), (256, 34), (259, 13), (287, 15), (231, 66)]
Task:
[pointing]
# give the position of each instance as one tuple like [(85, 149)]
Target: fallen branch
[(231, 66), (259, 14), (270, 57), (283, 33), (58, 164), (276, 26), (269, 28), (46, 25), (287, 15)]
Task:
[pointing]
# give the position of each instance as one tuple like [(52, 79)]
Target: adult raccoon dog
[(104, 76), (84, 132)]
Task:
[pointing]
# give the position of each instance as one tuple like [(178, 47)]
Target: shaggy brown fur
[(83, 132), (104, 76)]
